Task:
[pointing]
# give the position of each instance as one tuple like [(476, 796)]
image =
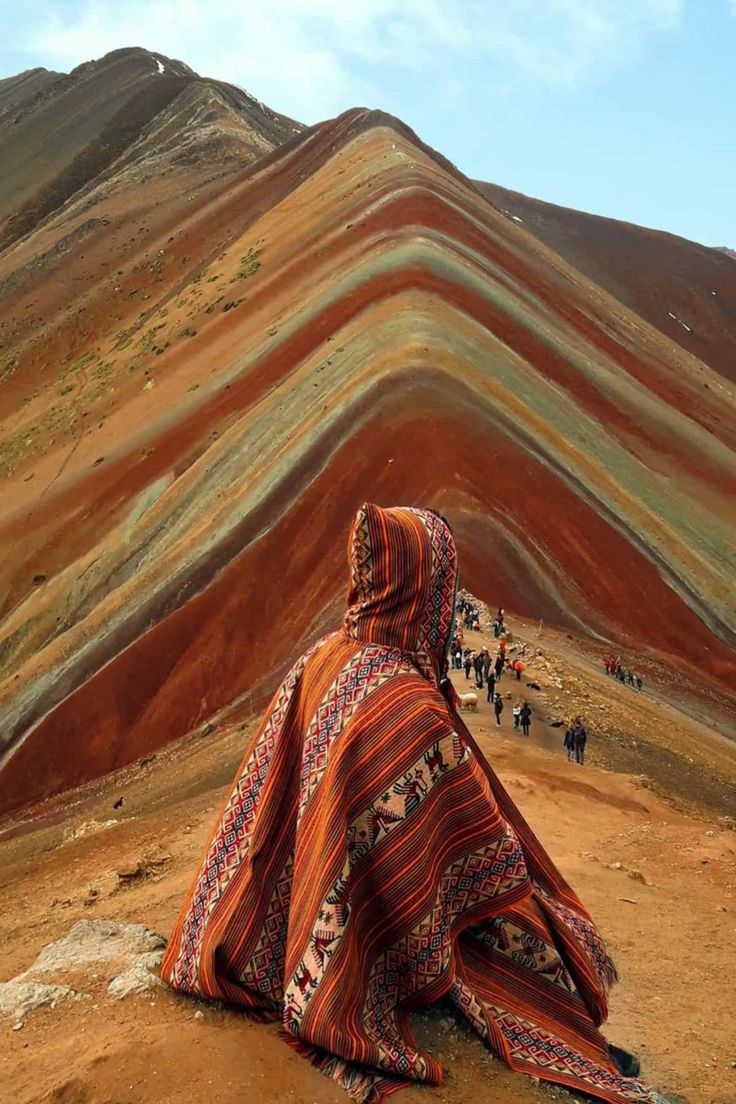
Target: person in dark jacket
[(478, 665), (468, 662), (486, 662), (526, 717), (569, 744), (491, 685), (498, 666), (498, 708), (580, 739)]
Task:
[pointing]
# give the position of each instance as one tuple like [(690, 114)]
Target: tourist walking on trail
[(579, 739), (468, 662), (569, 743), (526, 718), (516, 713), (486, 662), (491, 686), (298, 912), (518, 668), (498, 708), (478, 665), (498, 666)]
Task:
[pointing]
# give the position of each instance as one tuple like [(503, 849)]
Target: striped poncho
[(368, 862)]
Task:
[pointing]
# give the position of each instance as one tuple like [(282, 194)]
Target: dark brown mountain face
[(58, 132), (23, 88), (686, 290)]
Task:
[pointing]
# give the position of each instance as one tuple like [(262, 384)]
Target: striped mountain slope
[(203, 378)]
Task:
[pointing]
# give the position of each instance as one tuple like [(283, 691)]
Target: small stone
[(199, 1015), (18, 1026)]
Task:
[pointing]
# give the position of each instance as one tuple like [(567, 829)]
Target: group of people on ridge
[(615, 668), (488, 671)]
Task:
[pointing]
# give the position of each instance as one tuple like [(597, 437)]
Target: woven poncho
[(368, 862)]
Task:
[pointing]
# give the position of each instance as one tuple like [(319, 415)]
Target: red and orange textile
[(368, 862)]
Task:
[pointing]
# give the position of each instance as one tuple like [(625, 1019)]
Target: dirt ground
[(657, 872)]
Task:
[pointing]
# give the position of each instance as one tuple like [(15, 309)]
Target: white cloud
[(314, 58)]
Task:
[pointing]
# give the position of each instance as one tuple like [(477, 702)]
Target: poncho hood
[(403, 580)]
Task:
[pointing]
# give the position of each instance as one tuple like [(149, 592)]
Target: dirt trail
[(659, 879)]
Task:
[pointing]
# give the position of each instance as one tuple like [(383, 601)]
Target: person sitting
[(368, 860)]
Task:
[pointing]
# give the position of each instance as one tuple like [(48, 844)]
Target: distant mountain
[(59, 132), (686, 290)]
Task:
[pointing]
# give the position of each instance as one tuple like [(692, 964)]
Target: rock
[(18, 997), (199, 1014), (637, 876), (91, 896), (131, 953), (145, 866), (141, 977), (86, 828)]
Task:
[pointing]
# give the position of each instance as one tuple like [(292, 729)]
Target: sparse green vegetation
[(249, 263), (101, 371)]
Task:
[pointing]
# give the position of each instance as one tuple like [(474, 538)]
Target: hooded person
[(368, 862)]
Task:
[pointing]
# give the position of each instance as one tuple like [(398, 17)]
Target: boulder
[(128, 954), (19, 997)]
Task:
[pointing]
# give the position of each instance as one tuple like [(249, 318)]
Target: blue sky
[(625, 108)]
